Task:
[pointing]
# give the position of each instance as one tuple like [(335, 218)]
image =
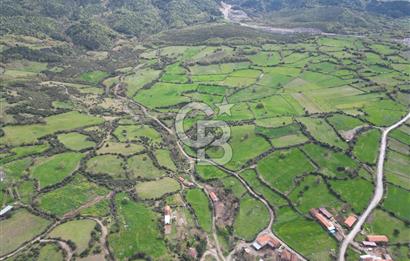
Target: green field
[(200, 204), (78, 231), (322, 132), (93, 76), (52, 170), (397, 201), (294, 229), (250, 207), (50, 252), (208, 172), (107, 164), (281, 168), (141, 166), (330, 163), (357, 192), (76, 141), (381, 223), (21, 226), (366, 147), (164, 159), (26, 134), (156, 189), (120, 148), (138, 227), (70, 197)]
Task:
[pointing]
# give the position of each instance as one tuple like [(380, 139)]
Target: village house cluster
[(374, 246)]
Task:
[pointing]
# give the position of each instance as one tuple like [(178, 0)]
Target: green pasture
[(51, 170), (70, 197), (141, 166), (75, 141), (200, 204), (281, 168), (25, 134), (250, 207), (156, 189), (138, 230)]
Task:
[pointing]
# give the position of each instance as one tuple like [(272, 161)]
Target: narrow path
[(67, 249), (378, 194), (103, 238)]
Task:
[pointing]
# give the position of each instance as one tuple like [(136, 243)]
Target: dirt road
[(379, 190)]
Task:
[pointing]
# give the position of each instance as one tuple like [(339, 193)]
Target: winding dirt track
[(378, 194)]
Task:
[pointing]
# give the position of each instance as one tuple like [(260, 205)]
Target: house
[(167, 215), (370, 258), (213, 196), (323, 221), (369, 244), (286, 255), (377, 239), (5, 210), (265, 240), (181, 179), (326, 213), (350, 221)]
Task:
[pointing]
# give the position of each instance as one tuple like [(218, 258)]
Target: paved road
[(378, 194)]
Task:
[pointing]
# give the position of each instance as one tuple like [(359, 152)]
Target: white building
[(5, 210)]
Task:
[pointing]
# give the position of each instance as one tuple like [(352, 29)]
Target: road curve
[(378, 194)]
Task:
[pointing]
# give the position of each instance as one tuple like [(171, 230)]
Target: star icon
[(224, 107)]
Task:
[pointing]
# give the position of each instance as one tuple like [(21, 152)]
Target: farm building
[(213, 196), (377, 238), (167, 215), (265, 240), (350, 221), (323, 221), (5, 210), (325, 213), (368, 244)]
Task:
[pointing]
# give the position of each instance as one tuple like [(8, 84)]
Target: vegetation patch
[(250, 207), (78, 231), (281, 168), (156, 189), (107, 164), (70, 197), (137, 225), (52, 170), (366, 146), (200, 204), (141, 166), (20, 227), (76, 141), (25, 134)]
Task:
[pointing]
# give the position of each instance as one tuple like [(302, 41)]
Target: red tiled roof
[(264, 240), (323, 220), (349, 222), (213, 196), (377, 238)]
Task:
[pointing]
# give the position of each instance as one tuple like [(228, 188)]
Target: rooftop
[(378, 238), (326, 213), (264, 240), (349, 222)]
